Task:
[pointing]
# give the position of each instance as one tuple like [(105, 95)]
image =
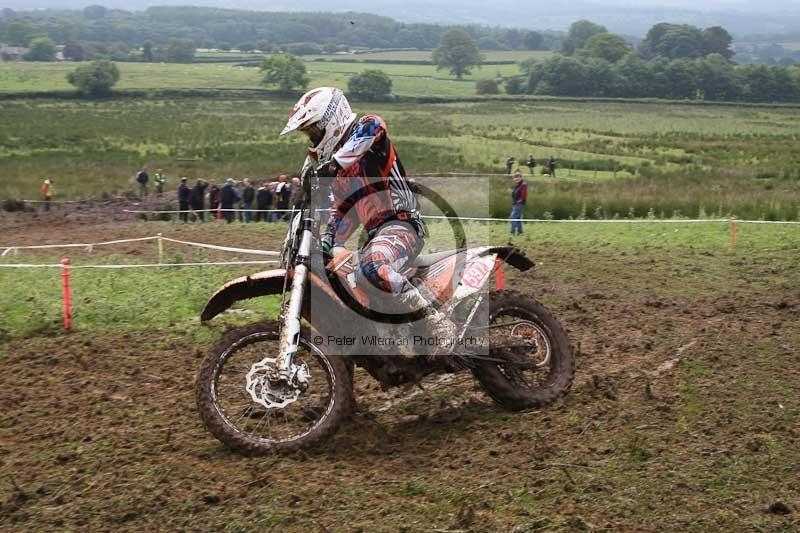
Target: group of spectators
[(549, 168), (247, 201)]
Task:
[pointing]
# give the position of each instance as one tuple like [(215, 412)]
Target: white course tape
[(75, 267), (90, 246), (585, 221), (187, 211), (224, 248), (766, 222)]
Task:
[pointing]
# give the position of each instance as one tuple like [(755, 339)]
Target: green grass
[(425, 55), (409, 80), (174, 296), (673, 159)]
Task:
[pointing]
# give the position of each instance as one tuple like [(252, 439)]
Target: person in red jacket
[(518, 197), (369, 188)]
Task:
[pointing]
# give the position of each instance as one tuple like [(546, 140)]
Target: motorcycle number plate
[(475, 274)]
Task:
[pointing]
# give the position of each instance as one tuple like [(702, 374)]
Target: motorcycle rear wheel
[(528, 380), (230, 414)]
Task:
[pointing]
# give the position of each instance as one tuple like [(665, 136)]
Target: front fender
[(261, 284)]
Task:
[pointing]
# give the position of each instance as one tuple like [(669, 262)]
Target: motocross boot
[(437, 325)]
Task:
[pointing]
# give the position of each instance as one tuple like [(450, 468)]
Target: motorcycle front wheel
[(230, 413)]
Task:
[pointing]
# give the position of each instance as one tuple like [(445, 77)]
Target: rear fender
[(511, 255)]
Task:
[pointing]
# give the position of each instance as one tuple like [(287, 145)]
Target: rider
[(369, 187)]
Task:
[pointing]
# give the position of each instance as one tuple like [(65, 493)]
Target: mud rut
[(100, 430)]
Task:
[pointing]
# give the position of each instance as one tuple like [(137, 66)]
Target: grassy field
[(408, 80), (670, 159), (683, 415), (489, 56), (140, 299)]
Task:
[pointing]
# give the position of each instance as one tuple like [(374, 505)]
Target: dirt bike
[(282, 386)]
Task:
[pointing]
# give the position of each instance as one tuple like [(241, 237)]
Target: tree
[(683, 79), (634, 78), (515, 85), (673, 41), (717, 40), (95, 12), (579, 33), (95, 79), (18, 33), (285, 71), (180, 51), (73, 51), (559, 76), (246, 47), (717, 79), (534, 41), (41, 49), (370, 85), (487, 86), (457, 53), (147, 52), (606, 46)]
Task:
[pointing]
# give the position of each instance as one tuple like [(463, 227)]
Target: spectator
[(263, 202), (273, 188), (510, 164), (248, 195), (531, 163), (160, 180), (47, 193), (283, 193), (298, 195), (198, 199), (228, 197), (518, 197), (142, 178), (551, 167), (184, 194), (213, 201)]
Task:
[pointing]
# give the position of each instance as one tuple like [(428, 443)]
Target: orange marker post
[(65, 268), (498, 274)]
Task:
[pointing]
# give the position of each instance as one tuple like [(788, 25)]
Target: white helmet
[(328, 108)]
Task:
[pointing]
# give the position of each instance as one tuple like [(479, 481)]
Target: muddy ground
[(685, 415)]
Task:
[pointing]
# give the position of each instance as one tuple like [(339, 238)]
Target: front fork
[(290, 332)]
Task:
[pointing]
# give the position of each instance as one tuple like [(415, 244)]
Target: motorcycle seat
[(427, 260)]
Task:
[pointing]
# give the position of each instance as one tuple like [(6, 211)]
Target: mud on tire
[(558, 380), (249, 444)]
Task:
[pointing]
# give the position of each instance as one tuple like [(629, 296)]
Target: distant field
[(668, 159), (409, 80), (22, 77), (425, 55)]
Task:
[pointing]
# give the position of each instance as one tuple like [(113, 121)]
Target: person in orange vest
[(47, 193)]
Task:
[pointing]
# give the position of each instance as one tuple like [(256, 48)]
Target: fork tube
[(290, 333)]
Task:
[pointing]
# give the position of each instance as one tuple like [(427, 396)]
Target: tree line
[(119, 35), (674, 61)]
